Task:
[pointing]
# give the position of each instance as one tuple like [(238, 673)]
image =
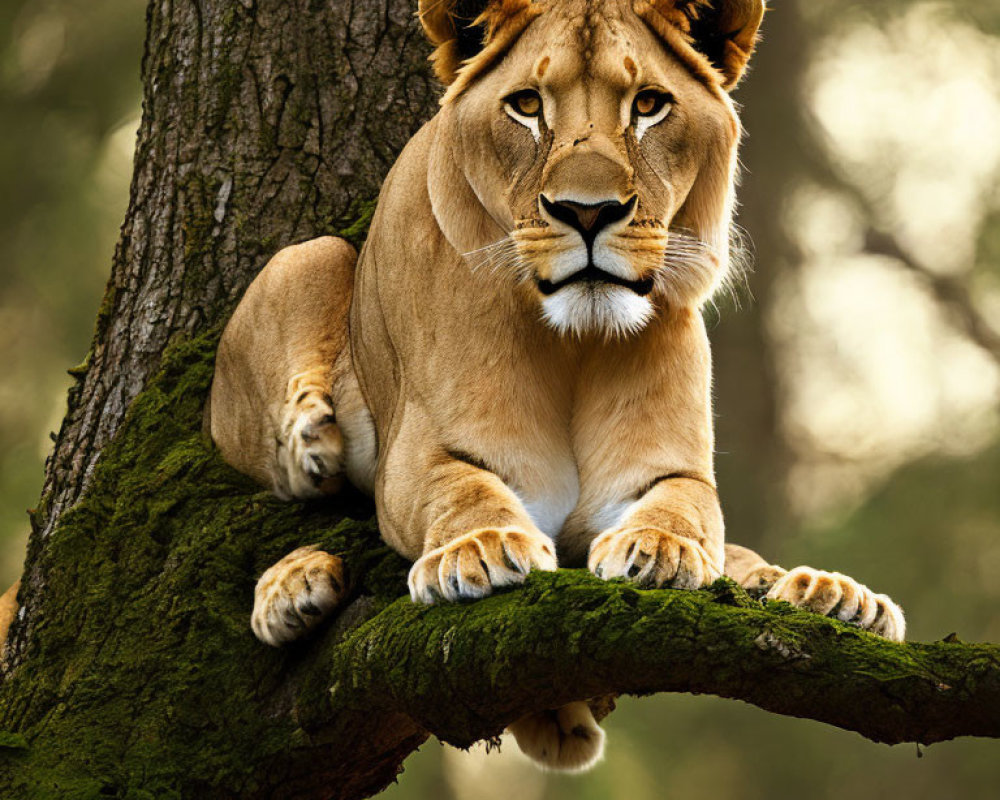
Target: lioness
[(523, 369)]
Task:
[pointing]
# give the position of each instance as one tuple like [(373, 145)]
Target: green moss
[(355, 227), (567, 635), (12, 741), (144, 626)]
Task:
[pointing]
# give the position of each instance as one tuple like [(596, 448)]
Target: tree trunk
[(132, 671), (753, 460), (264, 124)]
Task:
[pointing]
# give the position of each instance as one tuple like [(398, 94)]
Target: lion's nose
[(589, 219)]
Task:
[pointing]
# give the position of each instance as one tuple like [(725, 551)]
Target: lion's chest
[(535, 461), (568, 465), (550, 501)]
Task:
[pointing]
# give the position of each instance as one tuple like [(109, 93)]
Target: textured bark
[(134, 673)]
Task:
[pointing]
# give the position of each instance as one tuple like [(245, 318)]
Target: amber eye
[(527, 102), (650, 102)]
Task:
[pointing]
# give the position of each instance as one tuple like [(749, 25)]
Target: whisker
[(487, 254), (499, 257), (498, 243), (689, 266)]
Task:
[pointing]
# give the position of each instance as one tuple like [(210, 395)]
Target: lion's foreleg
[(671, 536), (468, 532)]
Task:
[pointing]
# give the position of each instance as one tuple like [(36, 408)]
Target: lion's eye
[(650, 102), (527, 103)]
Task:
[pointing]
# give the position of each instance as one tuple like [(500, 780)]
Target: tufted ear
[(463, 30), (722, 32)]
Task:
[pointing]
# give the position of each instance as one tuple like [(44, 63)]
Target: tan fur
[(827, 593), (567, 739), (836, 595), (580, 425), (513, 407)]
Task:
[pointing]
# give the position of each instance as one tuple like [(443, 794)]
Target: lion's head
[(599, 137)]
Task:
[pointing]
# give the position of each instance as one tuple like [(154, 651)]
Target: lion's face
[(607, 160)]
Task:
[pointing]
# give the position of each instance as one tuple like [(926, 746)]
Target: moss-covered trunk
[(264, 124), (133, 672)]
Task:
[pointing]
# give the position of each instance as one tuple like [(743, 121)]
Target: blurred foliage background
[(858, 365)]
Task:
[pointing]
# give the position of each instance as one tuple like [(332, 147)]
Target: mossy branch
[(464, 672), (143, 679)]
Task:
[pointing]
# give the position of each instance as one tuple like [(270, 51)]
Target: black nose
[(589, 219)]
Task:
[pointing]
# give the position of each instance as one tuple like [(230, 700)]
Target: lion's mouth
[(594, 274)]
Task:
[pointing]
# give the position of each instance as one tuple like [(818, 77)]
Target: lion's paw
[(841, 597), (567, 739), (471, 566), (652, 557), (314, 447), (760, 580), (296, 594)]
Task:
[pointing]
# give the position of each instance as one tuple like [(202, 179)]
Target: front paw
[(652, 557), (473, 565), (841, 597), (296, 594)]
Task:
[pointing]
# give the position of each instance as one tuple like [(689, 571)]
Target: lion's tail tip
[(567, 739)]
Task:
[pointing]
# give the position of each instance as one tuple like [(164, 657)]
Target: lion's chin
[(597, 308)]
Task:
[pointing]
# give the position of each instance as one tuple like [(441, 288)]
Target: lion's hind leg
[(296, 594), (842, 597), (8, 610), (828, 593), (285, 407)]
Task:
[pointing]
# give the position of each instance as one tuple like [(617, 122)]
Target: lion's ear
[(462, 29), (451, 27), (723, 31)]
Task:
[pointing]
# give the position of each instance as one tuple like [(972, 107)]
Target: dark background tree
[(264, 125)]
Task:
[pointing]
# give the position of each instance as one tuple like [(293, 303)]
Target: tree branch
[(144, 676), (952, 293), (465, 672), (569, 635)]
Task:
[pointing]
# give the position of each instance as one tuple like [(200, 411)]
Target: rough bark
[(135, 673)]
